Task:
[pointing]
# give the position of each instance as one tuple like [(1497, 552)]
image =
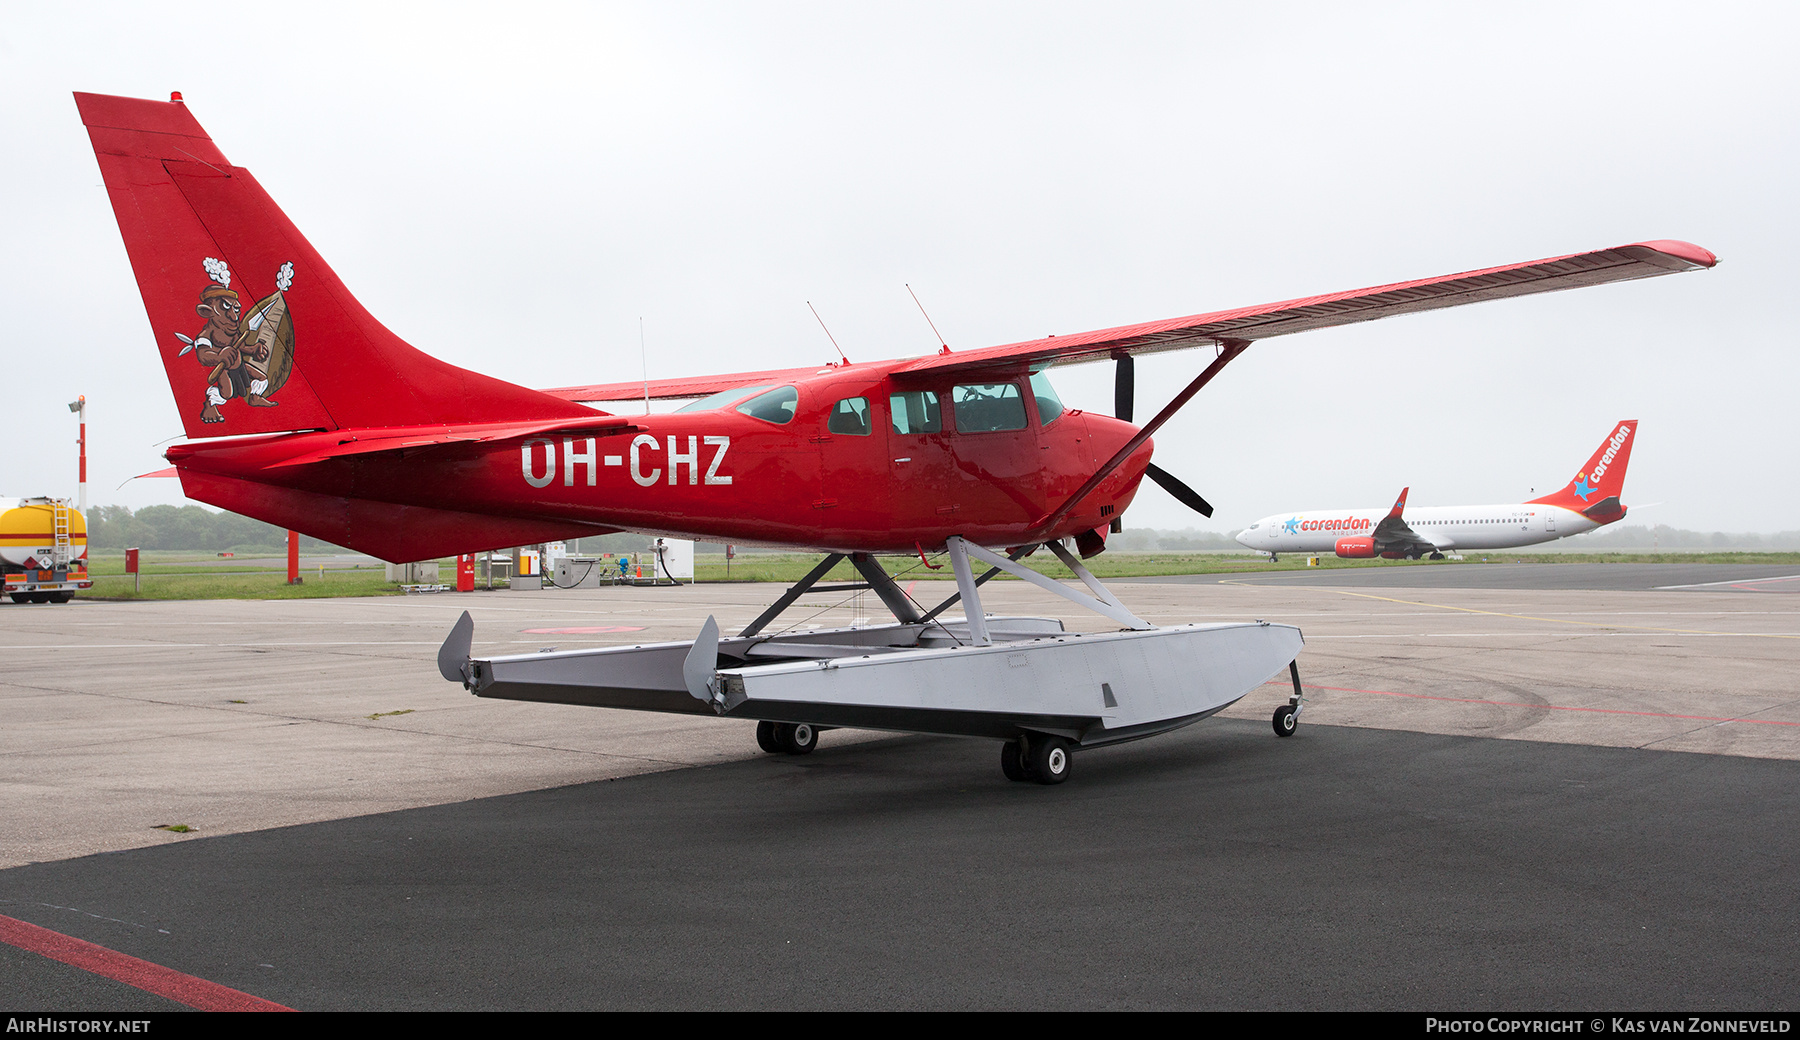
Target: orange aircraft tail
[(1595, 491)]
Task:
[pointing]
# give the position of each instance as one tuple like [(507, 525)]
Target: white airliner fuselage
[(1588, 501), (1448, 528)]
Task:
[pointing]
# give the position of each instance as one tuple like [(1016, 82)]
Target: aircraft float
[(1589, 501), (302, 410)]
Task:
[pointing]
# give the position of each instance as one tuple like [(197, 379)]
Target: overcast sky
[(513, 192)]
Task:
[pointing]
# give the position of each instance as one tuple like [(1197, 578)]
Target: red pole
[(79, 407), (293, 558)]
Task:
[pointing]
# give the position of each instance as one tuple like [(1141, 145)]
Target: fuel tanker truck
[(43, 550)]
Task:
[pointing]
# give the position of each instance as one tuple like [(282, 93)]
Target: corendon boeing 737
[(303, 410), (1589, 501)]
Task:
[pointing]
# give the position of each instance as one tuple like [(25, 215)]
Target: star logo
[(1291, 526), (1582, 488)]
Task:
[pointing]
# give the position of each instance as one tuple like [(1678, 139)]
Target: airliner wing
[(1400, 538), (1624, 263), (1393, 535)]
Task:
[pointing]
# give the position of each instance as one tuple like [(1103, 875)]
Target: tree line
[(194, 528), (186, 527)]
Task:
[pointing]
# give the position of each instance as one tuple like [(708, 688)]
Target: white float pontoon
[(1026, 681)]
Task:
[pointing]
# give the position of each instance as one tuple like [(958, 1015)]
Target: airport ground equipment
[(43, 550), (1043, 691)]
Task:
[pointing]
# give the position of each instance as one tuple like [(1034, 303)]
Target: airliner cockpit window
[(776, 406), (851, 415), (988, 407)]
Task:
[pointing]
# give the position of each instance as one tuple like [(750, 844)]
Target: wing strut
[(1229, 348)]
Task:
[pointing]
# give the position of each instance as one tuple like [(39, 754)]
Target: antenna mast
[(644, 358), (828, 334), (944, 348)]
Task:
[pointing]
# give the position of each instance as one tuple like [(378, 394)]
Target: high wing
[(667, 389), (1624, 263), (1577, 270)]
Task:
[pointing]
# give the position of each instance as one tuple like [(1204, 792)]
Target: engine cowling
[(1356, 548)]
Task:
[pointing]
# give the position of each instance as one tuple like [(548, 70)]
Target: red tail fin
[(256, 332), (1399, 505), (1596, 488)]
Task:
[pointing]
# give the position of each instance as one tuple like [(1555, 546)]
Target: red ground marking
[(1754, 584), (1546, 707), (151, 978), (592, 630)]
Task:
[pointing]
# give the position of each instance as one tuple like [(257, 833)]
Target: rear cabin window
[(988, 407), (776, 406), (851, 416), (916, 411)]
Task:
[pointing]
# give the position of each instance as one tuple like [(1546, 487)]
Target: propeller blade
[(1124, 387), (1187, 496)]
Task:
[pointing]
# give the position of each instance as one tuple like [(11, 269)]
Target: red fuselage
[(840, 474)]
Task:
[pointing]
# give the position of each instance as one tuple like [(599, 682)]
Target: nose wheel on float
[(1287, 717)]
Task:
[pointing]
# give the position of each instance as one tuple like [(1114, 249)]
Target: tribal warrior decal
[(248, 356)]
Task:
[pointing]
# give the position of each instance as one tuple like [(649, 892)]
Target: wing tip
[(1688, 253)]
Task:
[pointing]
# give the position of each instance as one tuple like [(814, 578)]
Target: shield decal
[(268, 325)]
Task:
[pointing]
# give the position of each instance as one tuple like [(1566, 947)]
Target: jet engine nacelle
[(1356, 548)]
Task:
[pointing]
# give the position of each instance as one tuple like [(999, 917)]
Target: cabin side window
[(851, 416), (916, 411), (988, 407)]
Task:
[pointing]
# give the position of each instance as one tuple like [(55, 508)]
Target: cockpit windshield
[(776, 406), (722, 398), (1049, 406)]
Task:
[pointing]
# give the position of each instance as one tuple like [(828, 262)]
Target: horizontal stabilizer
[(395, 533), (1606, 510), (369, 441)]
